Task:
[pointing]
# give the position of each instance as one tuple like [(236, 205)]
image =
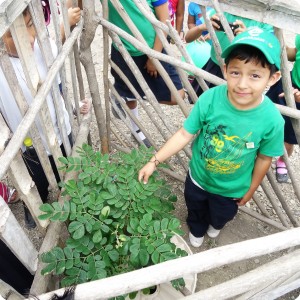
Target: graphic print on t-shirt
[(222, 153)]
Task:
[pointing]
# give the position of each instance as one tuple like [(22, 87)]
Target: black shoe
[(120, 109), (145, 140), (147, 143), (29, 221)]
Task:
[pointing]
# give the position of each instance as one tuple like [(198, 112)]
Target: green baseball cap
[(256, 37)]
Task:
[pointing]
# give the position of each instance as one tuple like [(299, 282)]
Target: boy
[(143, 62), (240, 131), (11, 113)]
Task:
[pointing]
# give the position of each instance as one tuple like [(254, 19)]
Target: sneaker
[(212, 232), (281, 171), (119, 106), (145, 140), (196, 241)]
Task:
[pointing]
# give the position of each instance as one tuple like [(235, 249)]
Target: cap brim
[(230, 48)]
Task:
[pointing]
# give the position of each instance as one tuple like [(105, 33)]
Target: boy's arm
[(261, 167), (162, 14), (195, 32), (179, 16), (177, 142)]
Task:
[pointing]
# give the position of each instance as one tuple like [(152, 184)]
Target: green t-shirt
[(296, 67), (229, 139), (223, 39), (144, 26)]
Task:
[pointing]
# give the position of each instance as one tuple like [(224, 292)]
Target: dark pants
[(37, 173), (13, 272), (206, 209)]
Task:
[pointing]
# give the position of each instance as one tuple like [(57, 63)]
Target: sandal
[(281, 171), (13, 196)]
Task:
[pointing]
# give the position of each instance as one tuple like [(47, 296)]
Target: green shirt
[(144, 26), (224, 152), (296, 67), (223, 39)]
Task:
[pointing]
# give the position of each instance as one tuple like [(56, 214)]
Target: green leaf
[(56, 217), (59, 253), (68, 252), (164, 248), (132, 295), (48, 257), (155, 257), (46, 207), (76, 229), (97, 237), (164, 223), (144, 257), (45, 216), (69, 264), (60, 268), (48, 269), (113, 254), (156, 226), (147, 218)]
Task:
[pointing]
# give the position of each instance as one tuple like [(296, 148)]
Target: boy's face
[(8, 40), (246, 82)]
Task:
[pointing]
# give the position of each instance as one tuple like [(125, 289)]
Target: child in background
[(236, 141), (12, 115), (275, 93), (143, 62), (195, 18), (176, 12)]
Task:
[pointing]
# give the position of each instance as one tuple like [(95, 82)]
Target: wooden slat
[(12, 234)]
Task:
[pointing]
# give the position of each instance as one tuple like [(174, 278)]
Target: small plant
[(116, 223)]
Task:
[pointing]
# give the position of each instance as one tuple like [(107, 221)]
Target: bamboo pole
[(258, 278), (12, 234), (196, 263), (260, 205), (280, 196), (258, 216), (274, 204)]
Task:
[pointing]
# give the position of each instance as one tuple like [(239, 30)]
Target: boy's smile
[(246, 82)]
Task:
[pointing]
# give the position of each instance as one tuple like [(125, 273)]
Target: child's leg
[(197, 207), (221, 210)]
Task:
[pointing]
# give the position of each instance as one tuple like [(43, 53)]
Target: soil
[(243, 227)]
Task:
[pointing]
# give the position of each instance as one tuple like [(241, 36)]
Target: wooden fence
[(283, 16)]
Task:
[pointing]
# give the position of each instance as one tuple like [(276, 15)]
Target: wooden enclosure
[(75, 61)]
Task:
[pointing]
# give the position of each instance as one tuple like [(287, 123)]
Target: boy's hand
[(74, 15), (146, 172), (85, 106), (151, 69), (296, 94), (242, 201)]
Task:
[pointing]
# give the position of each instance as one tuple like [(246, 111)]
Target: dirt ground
[(243, 227)]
